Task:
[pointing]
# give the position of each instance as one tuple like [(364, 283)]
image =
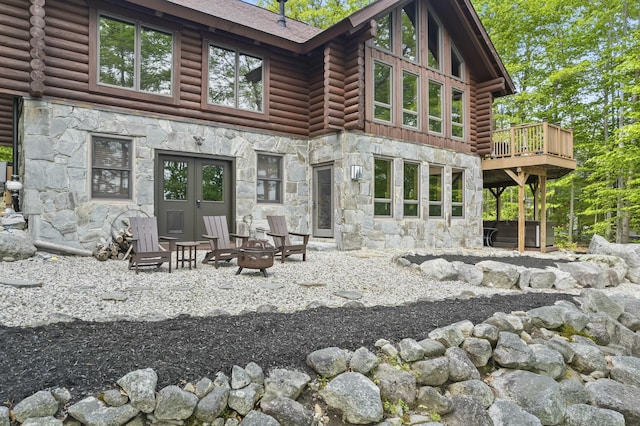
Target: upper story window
[(382, 92), (235, 79), (411, 190), (410, 91), (269, 183), (433, 43), (457, 193), (457, 113), (410, 31), (382, 185), (435, 191), (111, 161), (435, 107), (134, 56), (384, 34), (457, 65)]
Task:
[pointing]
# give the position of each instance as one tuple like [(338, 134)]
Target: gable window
[(382, 187), (269, 182), (411, 205), (433, 43), (457, 194), (382, 93), (410, 92), (457, 65), (435, 107), (410, 31), (384, 38), (235, 79), (111, 168), (435, 191), (457, 113), (134, 56)]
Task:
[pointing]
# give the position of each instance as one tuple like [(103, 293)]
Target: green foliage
[(6, 153), (318, 13), (567, 331)]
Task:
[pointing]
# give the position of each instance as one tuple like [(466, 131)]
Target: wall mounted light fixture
[(356, 172)]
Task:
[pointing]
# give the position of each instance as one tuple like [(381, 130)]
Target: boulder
[(282, 382), (363, 361), (357, 397), (615, 269), (40, 404), (583, 414), (288, 412), (626, 369), (395, 384), (476, 388), (512, 352), (92, 411), (498, 274), (431, 372), (174, 403), (587, 274), (430, 399), (478, 350), (467, 411), (630, 253), (15, 244), (460, 366), (607, 393), (439, 270), (536, 278), (140, 386), (328, 362), (507, 413), (470, 274), (410, 350)]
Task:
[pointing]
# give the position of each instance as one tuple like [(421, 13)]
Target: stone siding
[(55, 140)]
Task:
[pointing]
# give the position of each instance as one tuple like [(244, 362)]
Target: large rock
[(431, 372), (282, 382), (470, 274), (467, 411), (357, 397), (93, 412), (583, 414), (430, 399), (15, 244), (538, 394), (630, 253), (548, 361), (498, 274), (460, 366), (596, 301), (536, 278), (140, 386), (328, 362), (288, 412), (626, 369), (512, 352), (615, 269), (40, 404), (476, 388), (507, 413), (395, 384), (607, 393), (439, 270), (174, 403), (587, 274)]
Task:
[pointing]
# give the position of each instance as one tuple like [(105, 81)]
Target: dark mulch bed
[(526, 261), (87, 357)]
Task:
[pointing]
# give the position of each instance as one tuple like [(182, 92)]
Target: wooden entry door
[(189, 188), (323, 201)]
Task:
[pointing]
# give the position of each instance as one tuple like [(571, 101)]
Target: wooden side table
[(186, 256)]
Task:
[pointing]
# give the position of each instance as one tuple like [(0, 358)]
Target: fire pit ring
[(256, 254)]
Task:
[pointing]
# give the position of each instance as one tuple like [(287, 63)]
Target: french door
[(323, 201), (188, 188)]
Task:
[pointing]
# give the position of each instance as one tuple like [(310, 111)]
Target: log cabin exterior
[(371, 132)]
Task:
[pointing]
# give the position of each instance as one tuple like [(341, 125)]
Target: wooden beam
[(543, 214)]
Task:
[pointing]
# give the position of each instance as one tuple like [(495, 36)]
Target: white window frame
[(452, 123), (415, 201), (388, 200), (442, 103), (391, 93), (440, 202), (458, 204)]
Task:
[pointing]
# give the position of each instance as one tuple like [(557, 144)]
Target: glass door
[(323, 201)]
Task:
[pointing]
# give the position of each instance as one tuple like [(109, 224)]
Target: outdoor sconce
[(14, 186), (356, 172)]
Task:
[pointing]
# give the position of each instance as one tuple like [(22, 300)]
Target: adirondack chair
[(285, 247), (222, 246), (147, 250)]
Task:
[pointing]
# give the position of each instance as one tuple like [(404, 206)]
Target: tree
[(318, 13)]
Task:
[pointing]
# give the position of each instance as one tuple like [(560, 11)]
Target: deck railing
[(529, 139)]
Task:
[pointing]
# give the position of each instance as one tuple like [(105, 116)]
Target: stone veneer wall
[(355, 224), (55, 169), (55, 141)]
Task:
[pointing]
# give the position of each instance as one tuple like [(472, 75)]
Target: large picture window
[(235, 79), (382, 187), (457, 194), (111, 161), (382, 93), (410, 31), (134, 56), (435, 107), (435, 191), (411, 190), (384, 39), (269, 184), (457, 113)]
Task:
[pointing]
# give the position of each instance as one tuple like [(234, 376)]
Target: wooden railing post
[(545, 137)]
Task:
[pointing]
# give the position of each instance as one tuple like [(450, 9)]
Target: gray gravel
[(62, 288)]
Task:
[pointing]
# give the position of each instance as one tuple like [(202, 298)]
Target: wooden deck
[(540, 148)]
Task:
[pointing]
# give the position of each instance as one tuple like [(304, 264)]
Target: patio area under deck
[(528, 154)]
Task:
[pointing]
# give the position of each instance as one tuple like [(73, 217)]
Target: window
[(384, 38), (435, 191), (111, 168), (457, 65), (433, 43), (175, 180), (435, 107), (382, 187), (269, 184), (410, 31), (411, 191), (134, 56), (235, 79), (382, 93), (457, 194), (457, 113), (410, 92)]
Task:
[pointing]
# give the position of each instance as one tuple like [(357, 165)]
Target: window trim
[(454, 50), (461, 203), (405, 201), (440, 42), (436, 202), (145, 20), (418, 112), (392, 93), (391, 15), (131, 188), (279, 180), (389, 200), (417, 31), (442, 107)]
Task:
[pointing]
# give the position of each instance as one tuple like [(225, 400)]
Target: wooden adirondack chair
[(278, 231), (147, 250), (222, 246)]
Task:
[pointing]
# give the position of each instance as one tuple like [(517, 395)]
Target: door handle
[(198, 202)]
